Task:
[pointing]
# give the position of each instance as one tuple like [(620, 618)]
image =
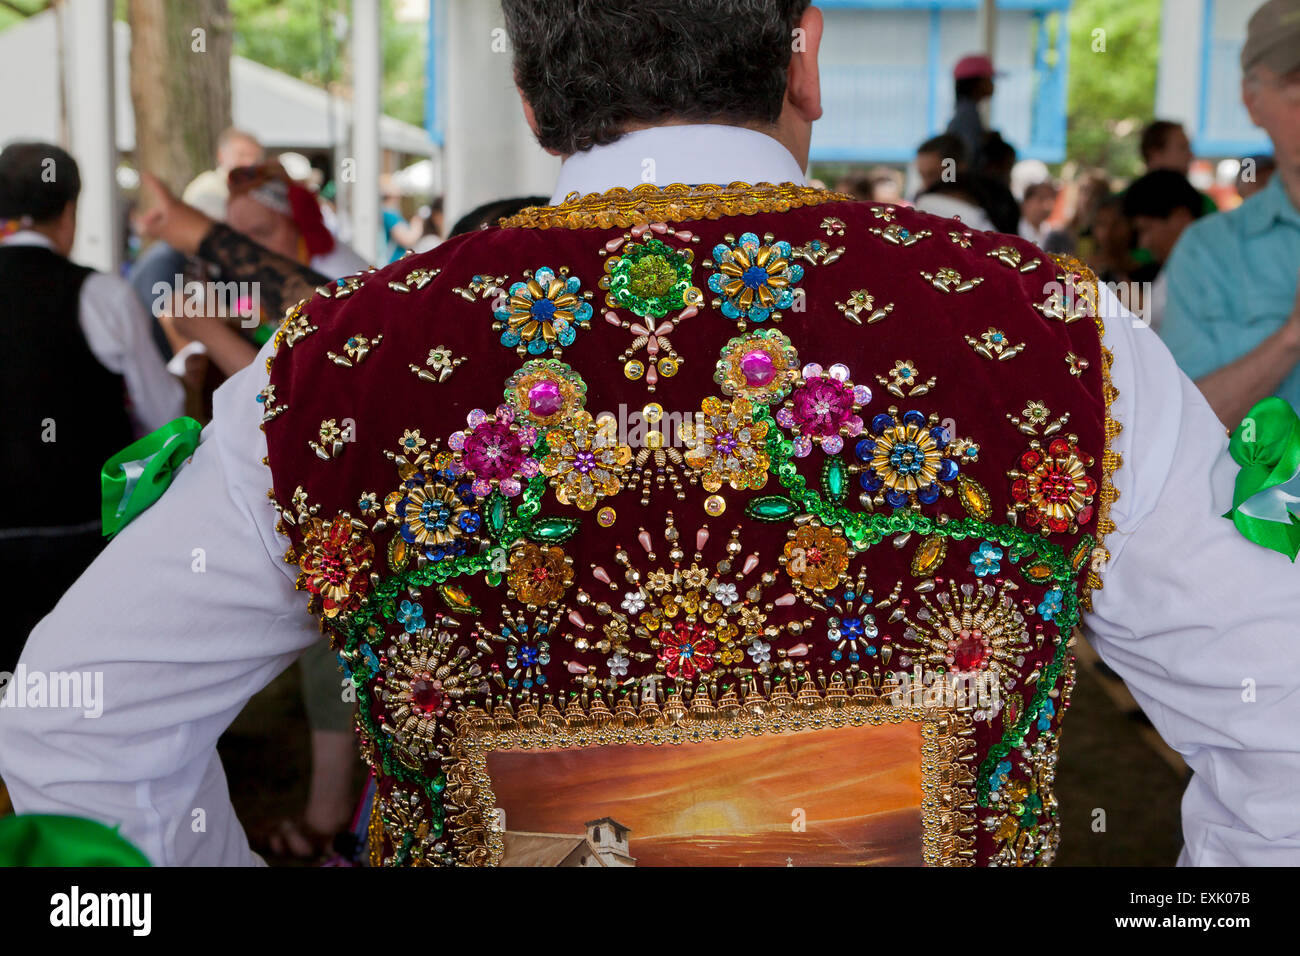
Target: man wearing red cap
[(973, 83)]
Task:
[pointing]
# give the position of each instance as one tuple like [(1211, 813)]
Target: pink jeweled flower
[(493, 450), (822, 406)]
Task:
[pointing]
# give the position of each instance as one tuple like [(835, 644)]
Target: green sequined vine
[(865, 530), (506, 525)]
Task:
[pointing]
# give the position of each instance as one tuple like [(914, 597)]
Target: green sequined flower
[(651, 279)]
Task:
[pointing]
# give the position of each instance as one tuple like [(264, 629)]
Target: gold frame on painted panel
[(947, 820)]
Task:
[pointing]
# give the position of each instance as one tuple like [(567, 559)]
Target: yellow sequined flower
[(586, 462), (727, 446), (539, 575), (816, 557)]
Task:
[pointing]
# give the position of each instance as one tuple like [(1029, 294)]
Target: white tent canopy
[(282, 112)]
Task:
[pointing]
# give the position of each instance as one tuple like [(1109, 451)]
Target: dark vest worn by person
[(65, 413), (702, 525)]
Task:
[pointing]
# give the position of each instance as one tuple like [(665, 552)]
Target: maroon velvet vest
[(702, 525)]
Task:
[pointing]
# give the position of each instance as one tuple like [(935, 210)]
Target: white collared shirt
[(1199, 622), (118, 331)]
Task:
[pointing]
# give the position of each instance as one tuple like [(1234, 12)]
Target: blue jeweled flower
[(906, 459), (410, 616), (1051, 604), (986, 559), (543, 313), (754, 280)]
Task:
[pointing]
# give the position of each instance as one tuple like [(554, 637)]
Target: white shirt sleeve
[(1199, 622), (188, 613), (118, 331)]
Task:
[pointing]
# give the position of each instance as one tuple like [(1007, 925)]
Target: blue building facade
[(887, 75)]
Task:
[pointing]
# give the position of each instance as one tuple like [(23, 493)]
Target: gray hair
[(592, 68)]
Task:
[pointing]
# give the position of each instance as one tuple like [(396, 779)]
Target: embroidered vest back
[(725, 525)]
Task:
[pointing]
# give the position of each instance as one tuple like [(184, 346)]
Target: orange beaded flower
[(539, 575), (816, 557), (335, 564)]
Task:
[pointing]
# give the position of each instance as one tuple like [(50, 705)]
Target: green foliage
[(299, 37), (1112, 93)]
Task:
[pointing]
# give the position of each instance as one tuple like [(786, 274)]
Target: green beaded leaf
[(835, 478), (553, 530), (772, 508), (497, 513)]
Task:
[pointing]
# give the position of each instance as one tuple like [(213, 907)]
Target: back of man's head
[(37, 181), (1164, 145), (1160, 194), (947, 146), (592, 69)]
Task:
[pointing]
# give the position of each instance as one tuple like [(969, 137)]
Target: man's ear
[(803, 87), (1249, 93)]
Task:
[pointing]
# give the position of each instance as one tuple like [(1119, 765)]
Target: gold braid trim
[(676, 203), (1111, 460)]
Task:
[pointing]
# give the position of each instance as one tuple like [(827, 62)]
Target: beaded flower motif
[(538, 576), (423, 676), (585, 461), (545, 393), (335, 564), (761, 366), (435, 513), (754, 279), (435, 508), (671, 609), (968, 629), (527, 650), (650, 279), (851, 626), (904, 459), (1052, 487), (726, 445), (543, 313), (495, 450), (816, 557), (823, 409)]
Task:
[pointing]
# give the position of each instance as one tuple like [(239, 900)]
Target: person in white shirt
[(80, 378), (1192, 615)]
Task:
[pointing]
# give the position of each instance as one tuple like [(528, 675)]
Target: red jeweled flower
[(1053, 488), (335, 564), (686, 650)]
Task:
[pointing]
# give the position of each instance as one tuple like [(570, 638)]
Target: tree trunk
[(180, 85)]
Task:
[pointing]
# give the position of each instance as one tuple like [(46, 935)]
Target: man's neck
[(687, 153)]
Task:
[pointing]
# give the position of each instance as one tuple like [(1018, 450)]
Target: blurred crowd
[(1124, 230)]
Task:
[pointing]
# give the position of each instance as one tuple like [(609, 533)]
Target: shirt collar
[(27, 237), (1271, 205), (691, 154)]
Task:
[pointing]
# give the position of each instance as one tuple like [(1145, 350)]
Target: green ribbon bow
[(1266, 498), (136, 476), (45, 840)]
